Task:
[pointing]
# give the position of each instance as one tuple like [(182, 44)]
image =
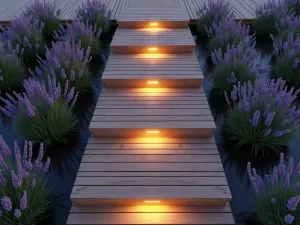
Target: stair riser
[(134, 132), (146, 24), (164, 49), (133, 202), (165, 83)]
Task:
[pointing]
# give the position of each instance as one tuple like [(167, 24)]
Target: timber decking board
[(143, 214), (132, 71), (245, 10), (117, 170), (139, 40), (173, 118)]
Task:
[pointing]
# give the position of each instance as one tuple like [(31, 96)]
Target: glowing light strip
[(152, 131), (152, 201), (153, 82), (152, 49)]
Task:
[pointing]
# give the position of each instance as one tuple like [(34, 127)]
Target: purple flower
[(23, 201), (4, 147), (273, 200), (17, 213), (268, 131), (288, 219), (33, 183), (269, 118), (6, 203), (16, 180), (256, 117), (47, 164), (293, 203)]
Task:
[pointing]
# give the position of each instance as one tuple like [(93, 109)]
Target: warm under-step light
[(152, 49), (152, 131), (153, 24), (152, 201), (152, 82)]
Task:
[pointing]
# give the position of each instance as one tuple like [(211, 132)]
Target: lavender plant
[(293, 5), (288, 62), (24, 195), (213, 12), (228, 32), (288, 24), (69, 62), (278, 194), (78, 31), (27, 34), (43, 113), (45, 12), (268, 15), (95, 13), (238, 64), (12, 70), (262, 116)]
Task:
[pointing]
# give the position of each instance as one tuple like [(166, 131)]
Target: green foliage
[(12, 72), (283, 35), (295, 8), (269, 213), (202, 22), (241, 130), (223, 72), (49, 124), (38, 200), (215, 43), (51, 24), (285, 69), (264, 27)]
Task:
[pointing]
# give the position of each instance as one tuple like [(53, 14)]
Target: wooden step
[(147, 71), (152, 112), (150, 17), (142, 214), (132, 171), (161, 40)]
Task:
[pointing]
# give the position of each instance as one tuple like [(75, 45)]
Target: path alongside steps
[(152, 158)]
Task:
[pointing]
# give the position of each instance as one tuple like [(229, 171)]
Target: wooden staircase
[(152, 158)]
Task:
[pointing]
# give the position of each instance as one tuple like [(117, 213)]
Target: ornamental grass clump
[(228, 32), (69, 62), (238, 64), (288, 61), (24, 195), (79, 31), (212, 12), (267, 16), (277, 194), (293, 5), (288, 24), (43, 113), (12, 72), (262, 116), (27, 33), (45, 12), (95, 13)]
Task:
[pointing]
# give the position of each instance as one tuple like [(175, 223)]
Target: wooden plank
[(162, 141), (152, 151), (141, 209), (137, 194), (150, 181), (152, 4), (155, 167), (151, 158), (150, 174), (152, 218)]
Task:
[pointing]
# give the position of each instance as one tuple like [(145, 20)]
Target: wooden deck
[(144, 71), (151, 158), (125, 11)]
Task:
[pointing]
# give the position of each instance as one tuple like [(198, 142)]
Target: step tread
[(181, 170), (141, 109), (146, 37), (202, 215)]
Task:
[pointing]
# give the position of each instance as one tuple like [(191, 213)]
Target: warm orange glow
[(152, 201), (152, 56), (152, 49), (153, 82), (153, 24), (152, 131)]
